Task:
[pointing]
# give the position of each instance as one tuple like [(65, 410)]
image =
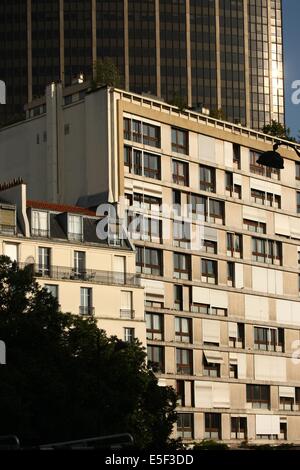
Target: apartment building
[(89, 277), (223, 315)]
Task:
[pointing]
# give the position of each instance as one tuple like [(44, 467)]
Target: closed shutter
[(7, 217), (126, 300), (11, 250), (287, 392), (211, 331), (221, 395), (232, 330), (267, 425), (203, 395)]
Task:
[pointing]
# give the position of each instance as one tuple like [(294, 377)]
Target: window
[(143, 133), (238, 428), (181, 234), (266, 251), (180, 141), (260, 169), (79, 264), (286, 403), (268, 339), (75, 228), (234, 245), (86, 304), (210, 246), (297, 396), (7, 220), (178, 297), (149, 261), (147, 202), (216, 211), (52, 289), (154, 324), (182, 266), (200, 308), (211, 369), (44, 261), (184, 361), (298, 203), (180, 390), (129, 335), (198, 205), (144, 228), (180, 172), (253, 226), (176, 198), (151, 135), (236, 156), (209, 271), (283, 431), (156, 358), (237, 336), (259, 396), (126, 310), (40, 224), (231, 189), (155, 303), (297, 169), (267, 199), (207, 179), (230, 274), (185, 425), (220, 312), (212, 426), (233, 371), (142, 163), (183, 330)]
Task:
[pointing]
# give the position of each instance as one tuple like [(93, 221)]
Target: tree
[(106, 73), (278, 130), (218, 114), (65, 379), (179, 101)]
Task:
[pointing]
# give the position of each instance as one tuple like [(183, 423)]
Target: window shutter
[(211, 331)]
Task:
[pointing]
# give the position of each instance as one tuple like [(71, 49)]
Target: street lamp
[(273, 159)]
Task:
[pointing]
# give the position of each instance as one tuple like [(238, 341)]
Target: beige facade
[(87, 277), (223, 318)]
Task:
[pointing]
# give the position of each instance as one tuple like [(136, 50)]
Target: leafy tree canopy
[(278, 130), (106, 73), (65, 379)]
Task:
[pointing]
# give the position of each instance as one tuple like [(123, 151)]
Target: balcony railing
[(86, 310), (127, 313), (40, 232), (8, 229), (88, 275)]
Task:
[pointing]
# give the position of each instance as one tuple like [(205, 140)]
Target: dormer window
[(7, 220), (40, 224), (75, 227)]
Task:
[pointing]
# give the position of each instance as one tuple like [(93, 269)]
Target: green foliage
[(247, 445), (210, 444), (65, 379), (106, 73), (278, 130), (218, 114), (179, 101)]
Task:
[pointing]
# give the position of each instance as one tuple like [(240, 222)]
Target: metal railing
[(86, 310), (8, 229), (88, 275), (127, 313)]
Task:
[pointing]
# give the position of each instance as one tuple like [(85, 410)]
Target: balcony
[(39, 232), (88, 275), (127, 313), (8, 229), (86, 310)]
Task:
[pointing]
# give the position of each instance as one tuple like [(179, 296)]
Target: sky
[(291, 31)]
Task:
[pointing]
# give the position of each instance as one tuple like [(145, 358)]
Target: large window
[(44, 261), (232, 189), (145, 228), (147, 202), (265, 199), (86, 301), (260, 169), (211, 369), (75, 227), (181, 234), (79, 264), (142, 163), (40, 224), (184, 361), (238, 428), (52, 289), (216, 211), (213, 428), (141, 132), (268, 339), (207, 179), (209, 271), (212, 210), (254, 226), (182, 266), (183, 330), (259, 396), (149, 261), (234, 245), (154, 324), (180, 172), (236, 156), (266, 251), (180, 141), (185, 425), (178, 297), (155, 356)]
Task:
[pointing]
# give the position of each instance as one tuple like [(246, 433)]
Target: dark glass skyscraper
[(218, 54)]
